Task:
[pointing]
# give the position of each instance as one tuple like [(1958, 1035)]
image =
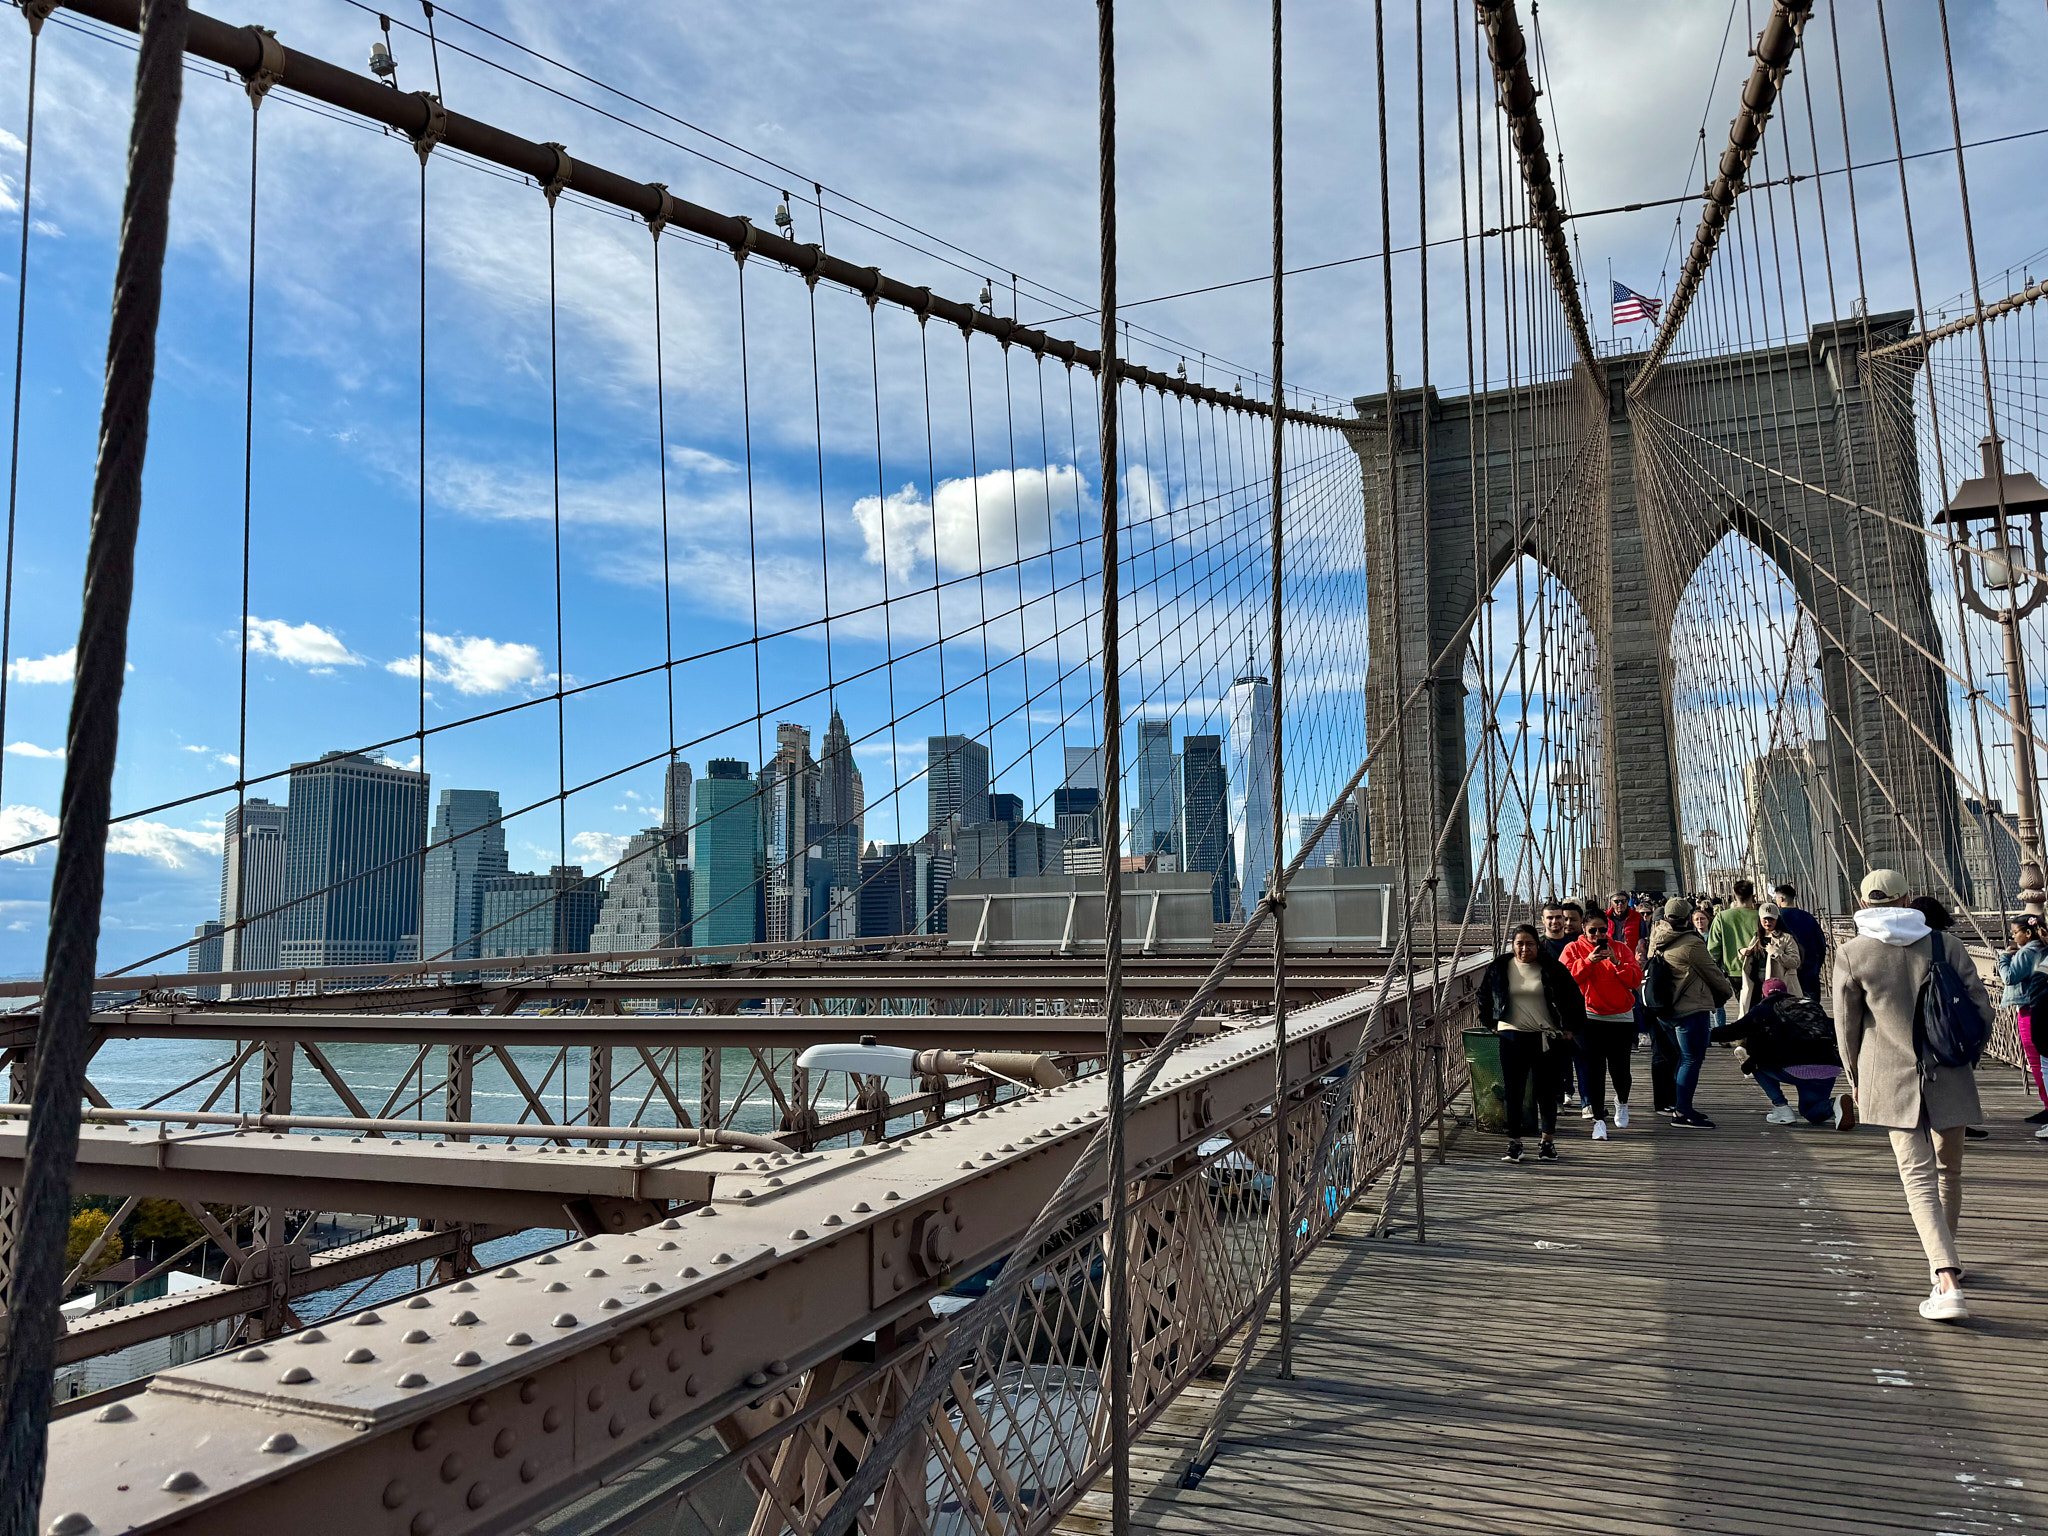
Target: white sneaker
[(1585, 1112), (1599, 1130), (2041, 1134), (1945, 1307), (1621, 1117), (1781, 1114)]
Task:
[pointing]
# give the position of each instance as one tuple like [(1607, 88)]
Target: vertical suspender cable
[(79, 879), (1118, 1269), (28, 184), (1283, 1224)]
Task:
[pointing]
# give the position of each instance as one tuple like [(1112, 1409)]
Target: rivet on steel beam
[(892, 1195), (478, 1493), (529, 1469), (593, 1274), (252, 1355), (295, 1376), (364, 1319), (507, 1273), (835, 1220), (182, 1482), (280, 1442), (461, 1286), (462, 1319), (610, 1304), (412, 1379), (468, 1357), (519, 1340), (707, 1211), (758, 1379), (394, 1493), (687, 1272), (721, 1258), (563, 1320), (311, 1336), (115, 1413), (746, 1194), (778, 1367), (358, 1357), (860, 1151), (417, 1336), (419, 1301), (586, 1247), (665, 1247), (966, 1163), (799, 1235), (547, 1258), (634, 1258), (670, 1225), (554, 1288), (74, 1524), (861, 1208), (422, 1524), (650, 1288)]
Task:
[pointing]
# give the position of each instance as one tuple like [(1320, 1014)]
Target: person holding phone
[(1607, 975)]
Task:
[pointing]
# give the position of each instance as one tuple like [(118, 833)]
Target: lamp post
[(2006, 503)]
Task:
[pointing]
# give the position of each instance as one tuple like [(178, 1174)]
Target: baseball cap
[(1677, 910), (1882, 885), (1770, 909), (1774, 986)]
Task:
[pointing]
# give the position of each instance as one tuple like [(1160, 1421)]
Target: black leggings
[(1522, 1057), (1604, 1046)]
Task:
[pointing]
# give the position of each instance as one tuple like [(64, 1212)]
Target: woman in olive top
[(1535, 1009)]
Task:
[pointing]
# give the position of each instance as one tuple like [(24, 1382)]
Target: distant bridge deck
[(1730, 1344)]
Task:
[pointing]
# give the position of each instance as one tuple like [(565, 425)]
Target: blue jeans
[(1816, 1095), (1690, 1032)]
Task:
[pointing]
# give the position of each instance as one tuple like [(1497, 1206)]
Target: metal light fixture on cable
[(783, 221), (2005, 555)]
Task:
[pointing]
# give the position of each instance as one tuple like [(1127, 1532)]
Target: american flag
[(1630, 306)]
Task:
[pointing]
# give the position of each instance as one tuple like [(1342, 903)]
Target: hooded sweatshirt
[(1897, 926)]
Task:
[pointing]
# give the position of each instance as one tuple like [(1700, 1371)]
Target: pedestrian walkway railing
[(1022, 1428)]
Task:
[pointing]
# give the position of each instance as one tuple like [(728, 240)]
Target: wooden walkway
[(1699, 1330)]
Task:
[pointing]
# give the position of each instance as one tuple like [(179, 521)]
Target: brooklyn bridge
[(877, 1110)]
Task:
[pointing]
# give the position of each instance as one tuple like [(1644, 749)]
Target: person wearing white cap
[(1877, 989)]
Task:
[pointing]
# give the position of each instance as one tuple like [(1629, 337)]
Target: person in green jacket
[(1734, 929)]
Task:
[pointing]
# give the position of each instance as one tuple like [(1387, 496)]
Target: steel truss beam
[(482, 1405)]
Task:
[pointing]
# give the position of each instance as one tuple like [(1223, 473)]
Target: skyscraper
[(1251, 749), (467, 846), (957, 783), (647, 904), (726, 848), (1152, 816), (888, 891), (550, 914), (1084, 767), (252, 883), (839, 806), (1205, 819), (789, 798), (205, 956), (675, 796), (354, 834)]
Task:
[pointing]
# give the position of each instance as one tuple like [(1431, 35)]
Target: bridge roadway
[(1724, 1340)]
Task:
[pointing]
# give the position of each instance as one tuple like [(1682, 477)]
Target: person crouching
[(1788, 1041)]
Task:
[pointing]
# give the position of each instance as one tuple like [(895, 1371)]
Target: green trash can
[(1489, 1101)]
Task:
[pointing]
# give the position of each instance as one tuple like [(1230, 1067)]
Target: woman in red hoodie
[(1608, 975)]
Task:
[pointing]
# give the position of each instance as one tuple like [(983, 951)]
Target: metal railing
[(1023, 1430)]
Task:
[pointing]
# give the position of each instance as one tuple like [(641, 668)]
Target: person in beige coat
[(1877, 990), (1773, 955)]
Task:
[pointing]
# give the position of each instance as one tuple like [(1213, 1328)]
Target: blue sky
[(975, 126)]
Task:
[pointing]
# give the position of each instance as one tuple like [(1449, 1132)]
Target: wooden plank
[(1708, 1329)]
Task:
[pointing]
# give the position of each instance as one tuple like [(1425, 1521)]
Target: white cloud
[(697, 462), (475, 664), (168, 846), (172, 847), (56, 668), (599, 850), (24, 824), (979, 523), (30, 749), (301, 645)]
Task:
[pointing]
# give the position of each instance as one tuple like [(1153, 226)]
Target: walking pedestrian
[(1698, 987), (1788, 1041), (1624, 923), (1730, 933), (2026, 985), (1772, 955), (1878, 975), (1535, 1009), (1607, 975), (1806, 932)]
